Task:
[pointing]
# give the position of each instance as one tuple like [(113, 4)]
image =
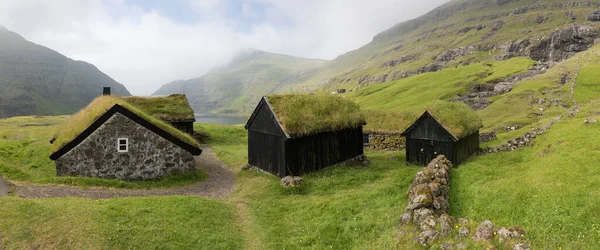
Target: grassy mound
[(310, 114), (80, 121), (172, 108)]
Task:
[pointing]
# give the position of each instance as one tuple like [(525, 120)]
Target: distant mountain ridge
[(237, 87), (36, 80)]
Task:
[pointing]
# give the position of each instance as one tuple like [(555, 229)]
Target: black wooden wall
[(266, 142), (311, 153), (187, 127), (464, 148)]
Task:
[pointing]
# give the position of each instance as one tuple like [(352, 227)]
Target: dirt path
[(218, 185), (4, 187)]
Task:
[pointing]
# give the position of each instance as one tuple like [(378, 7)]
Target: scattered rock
[(291, 181), (589, 120), (247, 167), (485, 231)]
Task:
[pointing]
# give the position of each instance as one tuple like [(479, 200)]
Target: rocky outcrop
[(403, 59), (478, 97), (563, 44), (594, 16)]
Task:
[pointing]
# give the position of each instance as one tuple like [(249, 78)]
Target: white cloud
[(145, 49)]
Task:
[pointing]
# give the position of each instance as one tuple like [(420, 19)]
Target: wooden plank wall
[(315, 152)]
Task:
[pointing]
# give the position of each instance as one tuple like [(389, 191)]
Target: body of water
[(220, 119)]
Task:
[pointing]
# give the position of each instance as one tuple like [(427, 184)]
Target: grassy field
[(25, 151), (124, 223)]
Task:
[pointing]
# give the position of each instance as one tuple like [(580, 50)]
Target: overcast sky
[(146, 43)]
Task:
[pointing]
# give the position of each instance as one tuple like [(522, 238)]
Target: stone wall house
[(112, 139)]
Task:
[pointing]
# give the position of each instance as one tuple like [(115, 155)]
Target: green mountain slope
[(457, 34), (36, 80), (237, 87)]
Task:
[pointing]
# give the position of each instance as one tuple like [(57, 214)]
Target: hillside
[(237, 87), (459, 33), (36, 80)]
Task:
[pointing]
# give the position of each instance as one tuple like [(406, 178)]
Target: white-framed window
[(122, 145)]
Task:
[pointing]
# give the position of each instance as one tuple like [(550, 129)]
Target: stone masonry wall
[(428, 208), (388, 142), (149, 156)]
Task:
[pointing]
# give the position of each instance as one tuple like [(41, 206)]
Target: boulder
[(485, 231), (589, 120), (463, 232), (427, 237), (445, 222), (428, 223), (291, 181), (506, 233), (521, 246), (420, 214), (594, 16)]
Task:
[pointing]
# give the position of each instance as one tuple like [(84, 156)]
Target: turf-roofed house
[(449, 129), (112, 138), (297, 134), (173, 109)]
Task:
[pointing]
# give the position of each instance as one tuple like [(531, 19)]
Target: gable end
[(139, 120)]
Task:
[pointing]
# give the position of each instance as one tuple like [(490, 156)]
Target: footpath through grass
[(25, 151), (339, 207)]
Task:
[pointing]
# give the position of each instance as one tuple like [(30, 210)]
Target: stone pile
[(428, 204), (428, 207)]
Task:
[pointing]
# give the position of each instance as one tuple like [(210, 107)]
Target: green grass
[(173, 107), (25, 152), (310, 114), (588, 84), (550, 189), (417, 92), (124, 223), (80, 121)]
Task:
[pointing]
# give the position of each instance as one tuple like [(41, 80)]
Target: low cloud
[(144, 48)]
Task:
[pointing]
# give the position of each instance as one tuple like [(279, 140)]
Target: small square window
[(122, 145)]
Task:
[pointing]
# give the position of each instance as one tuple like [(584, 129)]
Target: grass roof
[(81, 120), (391, 122), (171, 108), (310, 114), (456, 117)]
